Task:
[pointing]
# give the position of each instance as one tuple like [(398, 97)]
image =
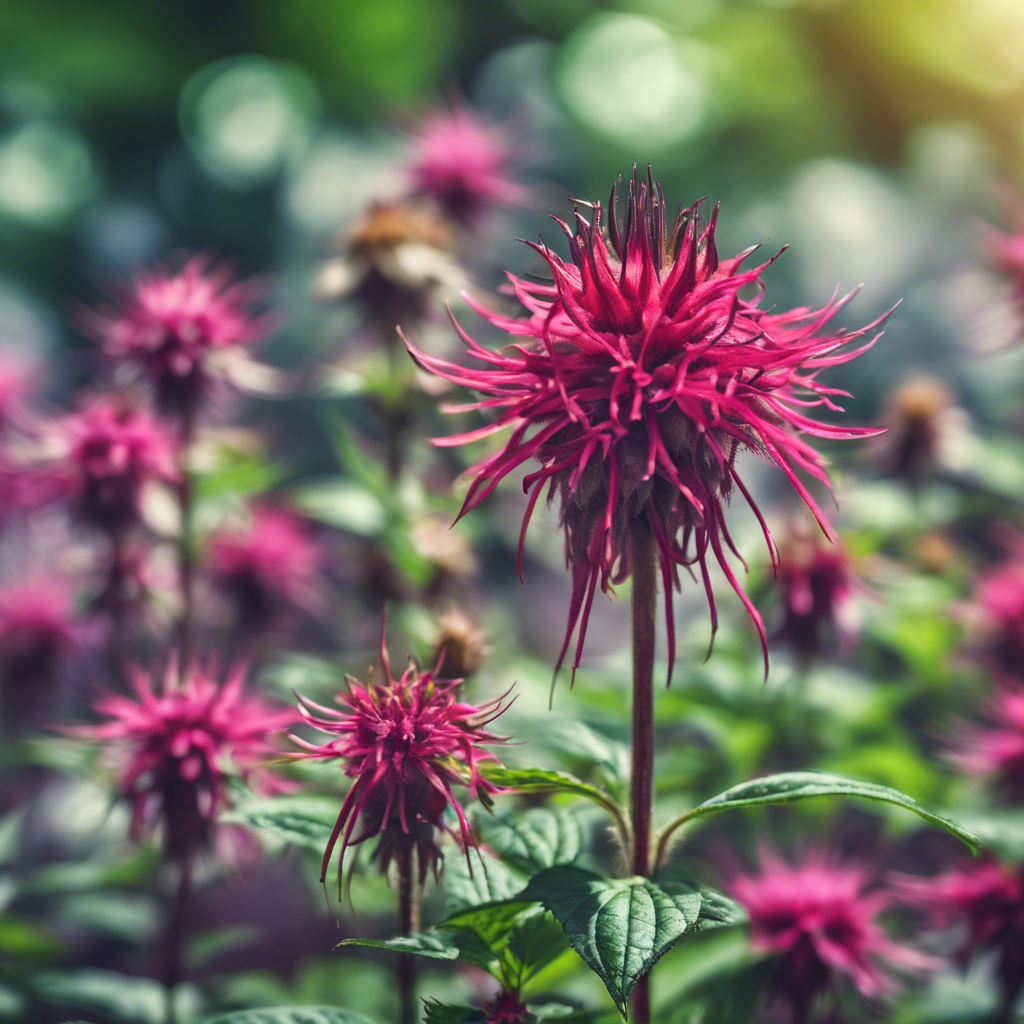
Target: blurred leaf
[(297, 819), (236, 476), (10, 835), (360, 466), (97, 874), (20, 939), (211, 944), (463, 945), (121, 996), (790, 786), (292, 1015), (999, 828), (538, 838), (129, 917), (343, 504), (619, 926)]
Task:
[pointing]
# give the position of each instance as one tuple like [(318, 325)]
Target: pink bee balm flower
[(818, 587), (115, 451), (271, 564), (820, 920), (406, 742), (180, 742), (999, 595), (38, 627), (462, 163), (181, 330), (988, 898), (996, 749), (641, 375)]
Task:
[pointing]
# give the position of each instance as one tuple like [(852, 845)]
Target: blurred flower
[(505, 1008), (987, 898), (925, 428), (820, 920), (996, 750), (999, 602), (183, 332), (406, 743), (818, 593), (180, 743), (462, 164), (393, 262), (268, 566), (458, 645), (644, 374), (16, 382), (1005, 249), (115, 451), (38, 628)]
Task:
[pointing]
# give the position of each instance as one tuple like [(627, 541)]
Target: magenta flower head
[(818, 595), (182, 331), (462, 164), (819, 918), (640, 375), (268, 566), (38, 629), (180, 740), (995, 749), (406, 743), (114, 451), (986, 899), (999, 596)]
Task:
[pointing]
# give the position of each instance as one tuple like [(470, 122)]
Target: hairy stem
[(641, 789), (174, 936), (409, 898)]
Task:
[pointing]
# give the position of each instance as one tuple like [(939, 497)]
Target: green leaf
[(445, 1013), (10, 835), (123, 997), (20, 939), (291, 1015), (539, 780), (342, 504), (999, 828), (300, 820), (620, 927), (354, 460), (540, 837), (465, 946), (788, 787), (490, 881)]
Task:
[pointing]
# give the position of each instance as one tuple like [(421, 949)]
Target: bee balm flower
[(995, 750), (636, 380), (819, 919), (406, 743), (180, 743)]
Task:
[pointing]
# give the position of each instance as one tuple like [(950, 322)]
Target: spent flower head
[(463, 164), (406, 743), (638, 377), (115, 449), (819, 917), (180, 739), (182, 331)]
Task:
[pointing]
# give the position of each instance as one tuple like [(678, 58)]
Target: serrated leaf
[(619, 926), (300, 820), (291, 1015), (716, 910), (540, 837), (788, 787), (539, 780), (445, 1013), (463, 945), (490, 881)]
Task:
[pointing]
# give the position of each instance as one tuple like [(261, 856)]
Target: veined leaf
[(445, 1013), (540, 837), (621, 926), (463, 945), (299, 820), (490, 881)]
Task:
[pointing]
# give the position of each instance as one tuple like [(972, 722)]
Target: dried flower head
[(819, 917), (392, 264), (995, 749), (38, 628), (115, 450), (268, 566), (642, 374), (182, 331), (987, 899), (462, 163), (406, 743), (818, 594), (180, 739), (458, 645)]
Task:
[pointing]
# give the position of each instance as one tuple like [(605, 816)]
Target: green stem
[(641, 790)]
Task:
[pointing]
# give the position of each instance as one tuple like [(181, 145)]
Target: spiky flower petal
[(180, 739), (643, 371), (406, 743)]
